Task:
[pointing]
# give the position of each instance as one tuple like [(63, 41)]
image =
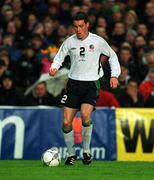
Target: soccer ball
[(51, 157)]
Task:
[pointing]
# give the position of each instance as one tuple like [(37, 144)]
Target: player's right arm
[(52, 71), (59, 58)]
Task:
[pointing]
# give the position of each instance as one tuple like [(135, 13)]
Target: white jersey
[(85, 57)]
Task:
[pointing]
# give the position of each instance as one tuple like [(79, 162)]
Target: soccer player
[(85, 50)]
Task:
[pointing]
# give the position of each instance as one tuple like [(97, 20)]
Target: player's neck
[(84, 37)]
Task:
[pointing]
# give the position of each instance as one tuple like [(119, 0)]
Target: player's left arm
[(114, 64), (114, 82)]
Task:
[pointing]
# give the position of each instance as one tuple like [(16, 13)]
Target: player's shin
[(69, 140), (86, 135)]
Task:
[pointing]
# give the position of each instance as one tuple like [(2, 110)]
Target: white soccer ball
[(51, 157)]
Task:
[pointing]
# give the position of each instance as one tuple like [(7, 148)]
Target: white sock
[(86, 138), (69, 141)]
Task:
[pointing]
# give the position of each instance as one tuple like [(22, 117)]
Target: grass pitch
[(98, 170)]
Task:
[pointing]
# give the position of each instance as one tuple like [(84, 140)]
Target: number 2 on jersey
[(63, 100), (82, 51)]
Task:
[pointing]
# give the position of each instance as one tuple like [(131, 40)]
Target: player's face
[(81, 29)]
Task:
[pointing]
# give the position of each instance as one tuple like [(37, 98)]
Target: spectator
[(142, 30), (6, 60), (28, 69), (92, 20), (65, 14), (148, 18), (149, 57), (151, 43), (17, 7), (100, 31), (88, 3), (11, 28), (147, 89), (61, 34), (9, 93), (32, 21), (140, 41), (20, 33), (117, 15), (107, 99), (85, 8), (40, 96), (39, 30), (101, 22), (126, 59), (124, 77), (149, 63), (54, 9), (74, 10), (7, 14), (37, 43), (49, 54), (2, 70), (70, 30), (123, 81), (131, 20), (132, 4), (131, 97), (131, 36), (119, 33), (29, 6), (125, 55), (50, 34), (9, 45), (140, 64), (96, 6)]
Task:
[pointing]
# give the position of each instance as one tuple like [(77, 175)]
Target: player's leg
[(69, 114), (86, 110), (88, 102)]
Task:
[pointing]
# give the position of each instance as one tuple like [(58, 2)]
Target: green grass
[(98, 170)]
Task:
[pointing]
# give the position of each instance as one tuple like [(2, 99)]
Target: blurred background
[(31, 32)]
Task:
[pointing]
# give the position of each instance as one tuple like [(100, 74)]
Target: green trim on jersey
[(98, 86)]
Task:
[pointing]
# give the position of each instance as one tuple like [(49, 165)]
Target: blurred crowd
[(31, 31)]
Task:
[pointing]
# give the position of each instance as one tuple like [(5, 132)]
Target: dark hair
[(81, 16), (8, 74), (133, 80)]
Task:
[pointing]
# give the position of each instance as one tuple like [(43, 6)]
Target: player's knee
[(67, 127), (85, 115), (86, 118)]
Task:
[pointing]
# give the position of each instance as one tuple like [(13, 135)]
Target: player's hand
[(114, 82), (52, 71)]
